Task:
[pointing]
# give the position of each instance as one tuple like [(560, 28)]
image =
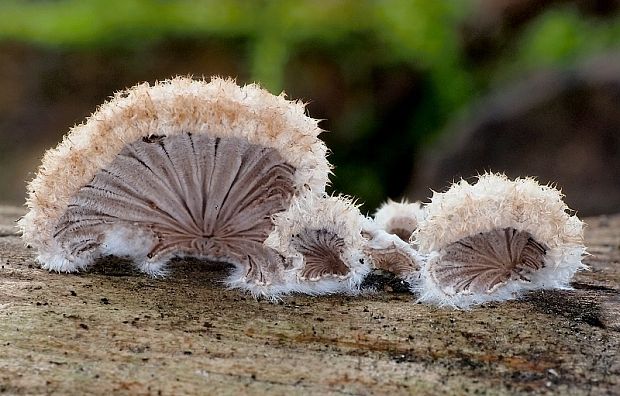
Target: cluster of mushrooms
[(190, 168)]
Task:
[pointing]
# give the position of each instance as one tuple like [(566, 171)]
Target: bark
[(116, 330)]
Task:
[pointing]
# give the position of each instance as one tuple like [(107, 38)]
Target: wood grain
[(115, 330)]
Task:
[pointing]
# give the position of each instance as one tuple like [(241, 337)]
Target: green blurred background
[(405, 87)]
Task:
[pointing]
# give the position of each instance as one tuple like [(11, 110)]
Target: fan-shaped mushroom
[(495, 239), (321, 236), (181, 168)]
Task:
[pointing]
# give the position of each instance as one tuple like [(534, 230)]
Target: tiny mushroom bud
[(399, 218), (496, 239), (181, 168)]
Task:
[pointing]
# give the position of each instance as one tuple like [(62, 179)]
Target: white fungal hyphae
[(495, 239), (181, 168), (399, 218), (321, 239)]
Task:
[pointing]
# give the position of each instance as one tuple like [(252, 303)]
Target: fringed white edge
[(292, 284)]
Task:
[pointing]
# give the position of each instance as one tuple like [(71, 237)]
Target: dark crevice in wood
[(587, 286), (118, 267), (380, 280), (555, 302)]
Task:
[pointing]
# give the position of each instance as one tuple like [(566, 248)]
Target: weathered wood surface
[(115, 330)]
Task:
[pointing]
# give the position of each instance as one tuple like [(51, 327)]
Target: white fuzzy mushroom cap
[(495, 202), (404, 214), (335, 214), (218, 107)]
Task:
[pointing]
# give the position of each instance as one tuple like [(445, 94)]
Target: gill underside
[(192, 194), (322, 251), (483, 262)]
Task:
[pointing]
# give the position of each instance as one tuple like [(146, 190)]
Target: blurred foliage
[(360, 37), (417, 30), (559, 37)]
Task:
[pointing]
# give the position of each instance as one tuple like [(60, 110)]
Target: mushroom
[(321, 237), (181, 168), (399, 218), (495, 239), (388, 235)]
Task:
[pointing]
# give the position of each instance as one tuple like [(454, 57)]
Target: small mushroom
[(388, 252), (322, 238), (394, 259), (495, 239), (388, 235), (399, 218)]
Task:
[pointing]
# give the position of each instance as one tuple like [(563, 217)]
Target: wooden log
[(114, 330)]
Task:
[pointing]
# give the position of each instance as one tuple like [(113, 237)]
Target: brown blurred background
[(415, 94)]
